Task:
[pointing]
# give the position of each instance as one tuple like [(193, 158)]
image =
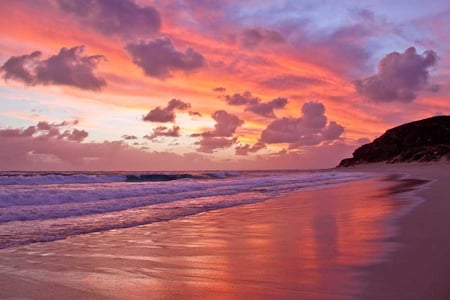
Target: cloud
[(209, 144), (400, 77), (163, 131), (266, 109), (253, 37), (68, 67), (332, 131), (286, 82), (21, 68), (37, 153), (344, 48), (75, 135), (129, 137), (44, 130), (195, 114), (255, 105), (121, 17), (167, 114), (309, 157), (159, 58), (226, 124), (245, 149), (309, 129), (222, 135), (26, 149), (242, 99), (12, 133), (220, 89)]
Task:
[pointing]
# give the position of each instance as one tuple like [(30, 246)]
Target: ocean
[(48, 206)]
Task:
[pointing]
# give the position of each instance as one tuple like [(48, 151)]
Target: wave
[(84, 178), (32, 212)]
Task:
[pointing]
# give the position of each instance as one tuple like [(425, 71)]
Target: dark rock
[(424, 140)]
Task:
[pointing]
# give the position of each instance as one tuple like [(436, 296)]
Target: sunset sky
[(197, 84)]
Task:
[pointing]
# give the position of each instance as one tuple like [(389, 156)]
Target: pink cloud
[(75, 135), (31, 149), (44, 130), (209, 144)]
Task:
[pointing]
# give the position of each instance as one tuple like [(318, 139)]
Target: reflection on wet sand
[(308, 245)]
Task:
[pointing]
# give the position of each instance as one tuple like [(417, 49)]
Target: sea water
[(39, 207)]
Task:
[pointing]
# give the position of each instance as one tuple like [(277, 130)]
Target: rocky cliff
[(424, 140)]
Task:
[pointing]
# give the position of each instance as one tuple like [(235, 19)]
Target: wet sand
[(370, 239), (420, 268)]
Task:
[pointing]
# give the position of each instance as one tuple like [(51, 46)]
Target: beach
[(420, 268), (381, 237)]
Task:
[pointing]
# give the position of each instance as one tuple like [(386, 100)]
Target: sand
[(381, 238), (420, 268)]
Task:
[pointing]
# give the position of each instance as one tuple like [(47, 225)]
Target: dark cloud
[(195, 114), (226, 124), (220, 89), (163, 131), (222, 135), (21, 68), (400, 77), (44, 130), (246, 98), (332, 131), (246, 148), (177, 104), (129, 137), (253, 37), (266, 109), (309, 129), (255, 105), (159, 58), (286, 82), (68, 67), (167, 114), (121, 17), (159, 114)]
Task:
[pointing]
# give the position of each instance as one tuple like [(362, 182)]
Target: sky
[(202, 85)]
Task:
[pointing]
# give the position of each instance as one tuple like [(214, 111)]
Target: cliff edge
[(423, 140)]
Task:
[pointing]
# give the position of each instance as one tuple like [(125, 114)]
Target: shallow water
[(38, 207), (310, 245)]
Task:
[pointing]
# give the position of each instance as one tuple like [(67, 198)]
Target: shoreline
[(289, 247), (420, 268)]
